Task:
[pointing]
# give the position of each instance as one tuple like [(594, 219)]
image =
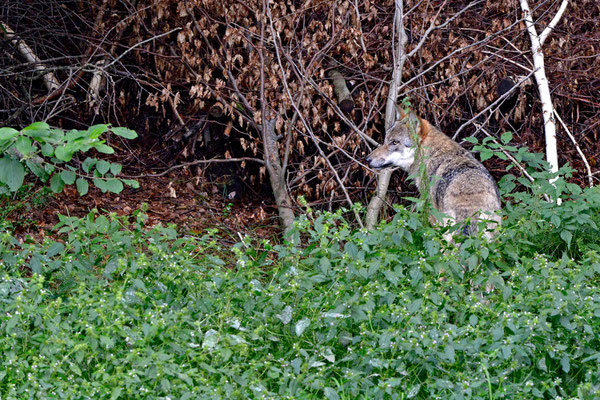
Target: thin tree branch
[(554, 21), (195, 162), (491, 106), (585, 161)]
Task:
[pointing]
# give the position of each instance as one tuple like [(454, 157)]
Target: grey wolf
[(459, 185)]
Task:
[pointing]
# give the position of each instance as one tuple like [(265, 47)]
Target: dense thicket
[(162, 65)]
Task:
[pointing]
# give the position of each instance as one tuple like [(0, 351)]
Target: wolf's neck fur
[(434, 147)]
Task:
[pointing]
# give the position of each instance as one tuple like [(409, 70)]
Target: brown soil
[(192, 205)]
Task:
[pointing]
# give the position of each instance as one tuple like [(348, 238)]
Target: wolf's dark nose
[(368, 160)]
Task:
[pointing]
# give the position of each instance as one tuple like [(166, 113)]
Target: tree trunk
[(383, 181)]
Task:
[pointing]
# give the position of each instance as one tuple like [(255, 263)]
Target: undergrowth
[(115, 310)]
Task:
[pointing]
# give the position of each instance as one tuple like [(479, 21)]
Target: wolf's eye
[(394, 142)]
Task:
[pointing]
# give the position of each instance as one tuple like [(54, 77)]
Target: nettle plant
[(48, 153), (570, 226)]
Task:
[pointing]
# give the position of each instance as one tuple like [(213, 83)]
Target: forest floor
[(193, 205)]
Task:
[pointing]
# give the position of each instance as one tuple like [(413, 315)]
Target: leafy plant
[(117, 310), (571, 227), (48, 153)]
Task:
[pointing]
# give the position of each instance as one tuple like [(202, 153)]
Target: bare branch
[(585, 161), (491, 106), (341, 91), (399, 53), (195, 162), (554, 21), (49, 79)]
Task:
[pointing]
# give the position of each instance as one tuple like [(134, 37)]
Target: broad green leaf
[(47, 149), (8, 133), (36, 126), (331, 394), (95, 131), (102, 224), (485, 154), (12, 173), (55, 249), (211, 338), (63, 153), (124, 132), (115, 168), (114, 185), (301, 326), (102, 148), (100, 184), (566, 236), (565, 364), (82, 186), (37, 170), (35, 264), (102, 167), (131, 182), (286, 315), (116, 393), (506, 137), (56, 184), (24, 145), (88, 163), (68, 177)]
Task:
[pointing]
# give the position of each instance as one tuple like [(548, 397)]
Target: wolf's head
[(399, 147)]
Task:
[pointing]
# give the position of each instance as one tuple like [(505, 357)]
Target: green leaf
[(95, 131), (131, 182), (55, 249), (115, 168), (102, 224), (124, 132), (100, 184), (56, 184), (506, 137), (565, 364), (471, 139), (566, 236), (102, 167), (114, 185), (331, 394), (47, 149), (414, 306), (37, 126), (485, 154), (116, 393), (102, 148), (12, 173), (88, 163), (301, 326), (37, 170), (63, 153), (68, 177), (24, 145), (82, 186), (8, 133)]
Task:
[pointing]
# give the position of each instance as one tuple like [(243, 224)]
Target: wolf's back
[(459, 185)]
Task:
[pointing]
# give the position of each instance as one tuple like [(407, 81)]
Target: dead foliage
[(187, 76)]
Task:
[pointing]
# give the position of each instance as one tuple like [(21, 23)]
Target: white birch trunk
[(542, 82)]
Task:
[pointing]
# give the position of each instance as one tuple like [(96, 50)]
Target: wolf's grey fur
[(459, 185)]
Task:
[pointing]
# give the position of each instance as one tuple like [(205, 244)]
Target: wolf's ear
[(400, 114), (414, 121)]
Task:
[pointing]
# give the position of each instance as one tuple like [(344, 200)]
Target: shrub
[(117, 310), (47, 153)]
